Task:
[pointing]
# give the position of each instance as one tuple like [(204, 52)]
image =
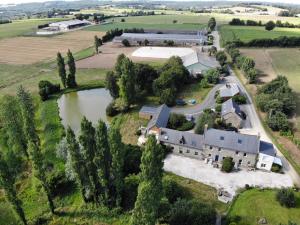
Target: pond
[(89, 103)]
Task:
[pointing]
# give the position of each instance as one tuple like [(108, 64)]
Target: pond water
[(89, 103)]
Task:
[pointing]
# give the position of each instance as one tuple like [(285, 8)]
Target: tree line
[(278, 101), (246, 64), (278, 23)]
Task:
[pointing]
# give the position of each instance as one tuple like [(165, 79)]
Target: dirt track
[(29, 50)]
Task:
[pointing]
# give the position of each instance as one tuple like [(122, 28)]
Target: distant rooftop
[(160, 118), (69, 23), (229, 90)]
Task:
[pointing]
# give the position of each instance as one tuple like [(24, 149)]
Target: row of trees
[(268, 25), (130, 82), (22, 147), (67, 80), (246, 64), (282, 41), (278, 101)]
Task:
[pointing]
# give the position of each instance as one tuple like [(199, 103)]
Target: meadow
[(248, 33), (254, 204), (23, 27)]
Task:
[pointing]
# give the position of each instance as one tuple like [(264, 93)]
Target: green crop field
[(23, 27), (183, 22), (254, 204), (248, 33)]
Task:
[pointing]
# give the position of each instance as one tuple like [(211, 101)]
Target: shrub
[(206, 118), (189, 125), (110, 110), (286, 197), (278, 122), (46, 88), (240, 99), (185, 212), (221, 57), (212, 76), (276, 168), (172, 190), (270, 25), (125, 42), (227, 165), (218, 108)]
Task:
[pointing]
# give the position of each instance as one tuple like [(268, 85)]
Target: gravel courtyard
[(205, 173)]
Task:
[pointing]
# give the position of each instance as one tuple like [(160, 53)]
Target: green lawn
[(248, 33), (23, 27), (254, 204)]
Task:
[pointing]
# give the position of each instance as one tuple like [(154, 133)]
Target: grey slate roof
[(229, 90), (232, 140), (148, 110), (230, 107), (267, 148), (160, 118), (182, 138), (195, 38)]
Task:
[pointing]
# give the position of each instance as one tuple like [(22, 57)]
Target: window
[(245, 154), (249, 162), (222, 138), (239, 141), (187, 151), (240, 162), (196, 153), (219, 149), (180, 151), (236, 152), (209, 155), (210, 147), (263, 165)]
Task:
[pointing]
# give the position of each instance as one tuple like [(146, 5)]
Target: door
[(217, 158)]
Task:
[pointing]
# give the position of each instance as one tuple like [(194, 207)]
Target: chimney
[(205, 128)]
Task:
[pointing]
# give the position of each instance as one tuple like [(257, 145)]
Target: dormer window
[(239, 141), (222, 138)]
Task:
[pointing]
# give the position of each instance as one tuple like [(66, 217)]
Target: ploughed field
[(29, 50), (248, 33)]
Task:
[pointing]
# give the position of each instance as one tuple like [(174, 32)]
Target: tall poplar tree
[(7, 182), (149, 192), (97, 43), (103, 160), (28, 114), (61, 69), (12, 125), (127, 81), (117, 165), (88, 143), (78, 163), (71, 79)]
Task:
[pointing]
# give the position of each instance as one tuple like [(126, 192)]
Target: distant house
[(214, 145), (229, 90), (267, 157), (159, 117), (231, 114)]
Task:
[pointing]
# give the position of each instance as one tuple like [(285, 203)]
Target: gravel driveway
[(200, 171)]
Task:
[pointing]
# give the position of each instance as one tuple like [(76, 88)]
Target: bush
[(212, 76), (278, 122), (110, 110), (276, 168), (125, 42), (206, 118), (227, 165), (179, 122), (185, 212), (270, 26), (218, 108), (46, 88), (286, 197), (172, 190), (221, 57), (240, 99)]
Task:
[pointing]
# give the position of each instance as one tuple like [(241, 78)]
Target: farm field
[(164, 22), (29, 50), (248, 33), (270, 63), (254, 204), (23, 27)]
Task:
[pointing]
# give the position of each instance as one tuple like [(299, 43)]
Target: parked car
[(180, 102)]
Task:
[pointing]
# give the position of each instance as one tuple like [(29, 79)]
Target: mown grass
[(254, 204), (248, 33), (23, 27)]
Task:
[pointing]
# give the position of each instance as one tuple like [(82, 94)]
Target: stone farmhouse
[(212, 146), (231, 114)]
